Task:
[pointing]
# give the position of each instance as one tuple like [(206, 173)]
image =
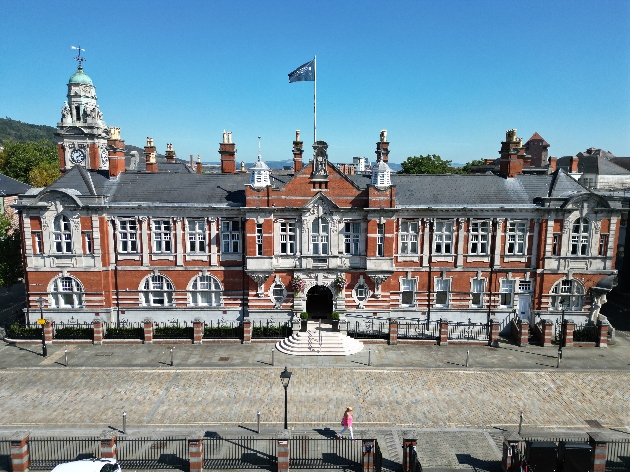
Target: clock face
[(77, 156)]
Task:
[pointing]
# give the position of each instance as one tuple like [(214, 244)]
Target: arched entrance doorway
[(319, 302)]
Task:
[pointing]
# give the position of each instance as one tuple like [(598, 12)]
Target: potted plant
[(304, 322), (340, 282), (298, 284), (335, 321)]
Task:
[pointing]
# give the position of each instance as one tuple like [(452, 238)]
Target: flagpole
[(315, 100)]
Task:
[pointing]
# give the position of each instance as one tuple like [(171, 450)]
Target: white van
[(89, 465)]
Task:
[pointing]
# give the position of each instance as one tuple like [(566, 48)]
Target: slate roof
[(11, 187), (621, 162), (537, 136), (592, 165)]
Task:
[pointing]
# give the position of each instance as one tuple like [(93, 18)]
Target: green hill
[(12, 130)]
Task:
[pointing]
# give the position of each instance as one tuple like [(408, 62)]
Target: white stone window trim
[(414, 291), (277, 283), (62, 235), (503, 282), (191, 292), (582, 238), (165, 236), (286, 234), (449, 280), (235, 235), (409, 237), (352, 238), (479, 237), (576, 295), (321, 238), (57, 288), (189, 233), (361, 282), (119, 231), (444, 234), (484, 282), (516, 256), (148, 293)]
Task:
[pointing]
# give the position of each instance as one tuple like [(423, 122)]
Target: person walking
[(346, 422)]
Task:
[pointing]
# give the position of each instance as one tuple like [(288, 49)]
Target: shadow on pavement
[(479, 464)]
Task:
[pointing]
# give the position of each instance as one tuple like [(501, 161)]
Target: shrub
[(335, 316), (304, 315)]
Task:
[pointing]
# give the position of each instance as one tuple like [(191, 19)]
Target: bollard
[(66, 354), (467, 357), (273, 361), (124, 423), (171, 357), (520, 424), (369, 357), (258, 415), (558, 364)]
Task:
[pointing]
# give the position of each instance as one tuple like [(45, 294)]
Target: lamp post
[(40, 302), (563, 305), (285, 378)]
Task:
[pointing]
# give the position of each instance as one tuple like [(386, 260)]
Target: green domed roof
[(80, 77)]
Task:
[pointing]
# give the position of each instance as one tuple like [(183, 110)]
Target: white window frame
[(161, 236), (127, 236), (408, 237), (580, 237), (205, 290), (89, 242), (38, 247), (156, 287), (506, 289), (320, 237), (231, 236), (197, 232), (570, 291), (288, 237), (380, 240), (352, 238), (66, 292), (62, 235), (479, 237), (443, 237), (259, 239), (442, 286), (407, 286), (516, 238), (477, 288)]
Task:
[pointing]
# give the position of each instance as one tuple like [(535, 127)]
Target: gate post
[(283, 451), (567, 333), (408, 444), (602, 333), (368, 455), (48, 331), (493, 335), (393, 332), (148, 330), (197, 331), (20, 453), (98, 331), (443, 337), (523, 332), (511, 452), (195, 451), (247, 332), (108, 445), (547, 329), (599, 442)]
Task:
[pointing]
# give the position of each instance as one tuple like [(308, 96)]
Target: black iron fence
[(223, 330), (419, 330), (414, 460), (24, 331), (240, 453), (151, 453), (173, 330), (369, 329), (47, 452), (468, 330), (585, 333), (325, 453), (378, 457), (124, 330), (73, 330), (271, 329), (5, 454)]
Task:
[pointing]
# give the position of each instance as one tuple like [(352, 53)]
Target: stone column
[(283, 451), (197, 331), (98, 331), (511, 451), (602, 333), (567, 333), (20, 456), (393, 332), (247, 332), (195, 451), (408, 444), (108, 445), (493, 332), (443, 339), (599, 442), (547, 331), (368, 455), (148, 330)]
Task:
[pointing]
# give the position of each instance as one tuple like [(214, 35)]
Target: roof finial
[(259, 148), (79, 58)]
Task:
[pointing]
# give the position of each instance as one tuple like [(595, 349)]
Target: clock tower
[(82, 132)]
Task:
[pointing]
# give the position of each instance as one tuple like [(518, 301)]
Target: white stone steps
[(332, 344)]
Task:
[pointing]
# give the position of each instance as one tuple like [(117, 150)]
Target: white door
[(523, 306)]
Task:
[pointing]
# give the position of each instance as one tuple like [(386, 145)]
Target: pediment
[(319, 205), (586, 202)]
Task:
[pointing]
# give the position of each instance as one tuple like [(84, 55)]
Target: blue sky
[(445, 77)]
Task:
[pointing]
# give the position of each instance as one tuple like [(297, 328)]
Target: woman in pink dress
[(346, 422)]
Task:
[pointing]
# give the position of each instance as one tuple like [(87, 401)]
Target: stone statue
[(65, 111), (320, 159), (383, 135)]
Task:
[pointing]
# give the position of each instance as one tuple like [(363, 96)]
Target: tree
[(429, 164), (467, 168), (44, 174), (19, 159), (10, 253)]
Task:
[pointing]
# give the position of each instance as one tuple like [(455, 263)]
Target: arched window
[(157, 290), (62, 235), (66, 292), (568, 294), (579, 237), (319, 236), (205, 291)]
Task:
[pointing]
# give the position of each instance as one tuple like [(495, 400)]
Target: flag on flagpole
[(306, 72)]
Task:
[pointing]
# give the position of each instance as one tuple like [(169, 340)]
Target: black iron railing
[(73, 330), (325, 453), (23, 331), (124, 331), (223, 329), (271, 329), (468, 330), (47, 452), (239, 453), (585, 333), (172, 330), (5, 454), (368, 329), (419, 330), (151, 453)]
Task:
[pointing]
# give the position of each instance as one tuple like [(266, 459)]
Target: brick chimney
[(510, 164), (382, 147), (199, 167), (574, 164), (297, 153), (150, 156), (170, 154), (553, 163), (227, 149), (191, 161), (116, 153)]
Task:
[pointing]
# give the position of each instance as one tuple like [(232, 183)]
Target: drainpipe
[(430, 275), (243, 261), (493, 245)]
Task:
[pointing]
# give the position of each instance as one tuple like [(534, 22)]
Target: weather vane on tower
[(79, 58)]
